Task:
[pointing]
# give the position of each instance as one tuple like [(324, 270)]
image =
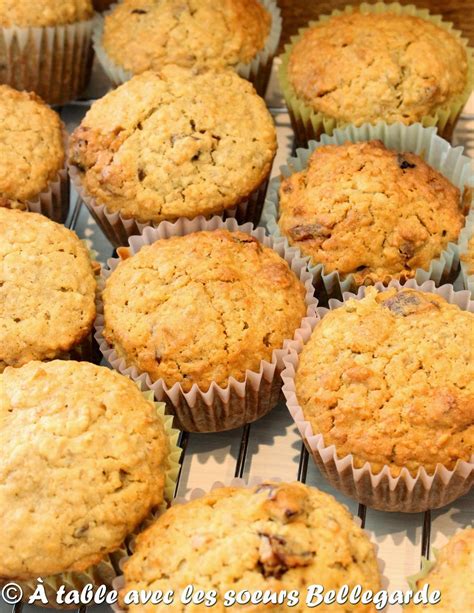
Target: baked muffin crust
[(31, 146), (202, 307), (25, 13), (176, 144), (390, 379), (357, 68), (47, 288), (144, 35), (365, 210), (269, 537), (83, 461)]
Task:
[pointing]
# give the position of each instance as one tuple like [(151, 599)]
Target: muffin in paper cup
[(378, 489), (465, 251), (257, 71), (434, 150), (309, 124), (221, 407)]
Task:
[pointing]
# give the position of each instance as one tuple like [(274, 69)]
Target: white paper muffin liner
[(257, 71), (435, 151), (53, 61), (461, 249), (381, 491), (221, 407)]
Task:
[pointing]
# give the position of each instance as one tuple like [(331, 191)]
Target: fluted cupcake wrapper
[(53, 61), (435, 151), (461, 249), (239, 402), (309, 124), (257, 71), (382, 490)]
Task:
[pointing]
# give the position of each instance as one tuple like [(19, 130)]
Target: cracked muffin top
[(451, 574), (31, 147), (274, 536), (47, 289), (364, 210), (175, 144), (144, 35), (25, 13), (202, 307), (80, 443), (390, 379), (357, 68)]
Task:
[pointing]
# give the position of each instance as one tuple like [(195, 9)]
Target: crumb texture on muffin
[(31, 147), (176, 144), (365, 67), (201, 308), (390, 379), (365, 210), (274, 536), (47, 288), (144, 35), (83, 461), (468, 257), (29, 13)]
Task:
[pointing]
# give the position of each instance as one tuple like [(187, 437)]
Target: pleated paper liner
[(107, 569), (435, 151), (309, 124), (53, 61), (381, 490), (221, 407), (257, 71), (461, 250)]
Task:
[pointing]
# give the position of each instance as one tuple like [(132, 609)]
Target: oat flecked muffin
[(144, 35), (370, 212), (202, 307), (47, 289), (280, 536), (360, 68), (390, 379), (83, 461), (31, 147), (22, 13), (452, 575), (165, 146)]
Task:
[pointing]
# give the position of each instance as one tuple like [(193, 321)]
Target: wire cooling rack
[(272, 446)]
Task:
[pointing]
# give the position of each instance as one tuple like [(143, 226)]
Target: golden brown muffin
[(364, 210), (202, 307), (31, 147), (83, 461), (25, 13), (452, 575), (176, 144), (144, 35), (468, 257), (368, 67), (280, 536), (390, 379), (47, 289)]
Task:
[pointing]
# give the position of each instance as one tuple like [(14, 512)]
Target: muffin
[(359, 67), (466, 248), (274, 536), (47, 290), (45, 46), (451, 574), (170, 145), (79, 443), (368, 212)]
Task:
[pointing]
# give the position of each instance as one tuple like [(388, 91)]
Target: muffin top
[(274, 536), (144, 35), (25, 13), (468, 257), (47, 288), (176, 144), (362, 209), (390, 379), (357, 68), (202, 307), (31, 146), (451, 575), (80, 443)]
